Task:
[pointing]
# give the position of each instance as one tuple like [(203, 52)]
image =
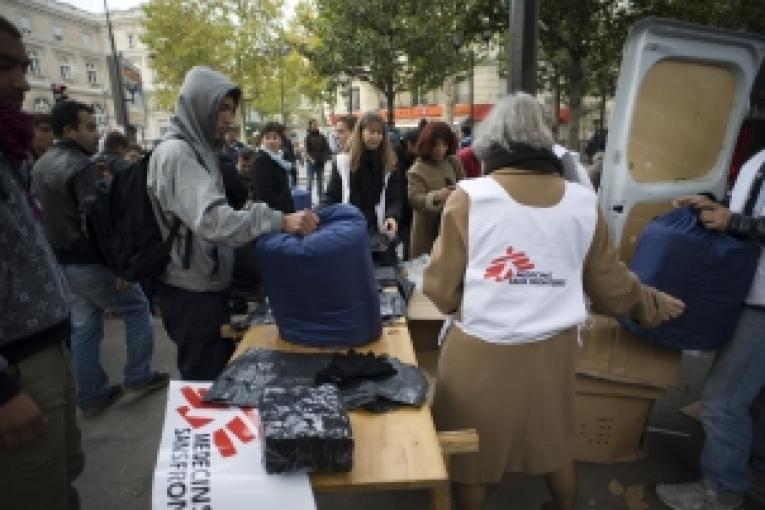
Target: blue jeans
[(728, 405), (314, 169), (94, 289)]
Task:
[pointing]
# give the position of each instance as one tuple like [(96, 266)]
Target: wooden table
[(393, 450)]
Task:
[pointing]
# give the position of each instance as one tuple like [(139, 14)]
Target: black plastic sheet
[(259, 316), (244, 380), (305, 428), (392, 305)]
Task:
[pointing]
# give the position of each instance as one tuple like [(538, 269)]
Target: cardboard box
[(610, 419), (609, 352)]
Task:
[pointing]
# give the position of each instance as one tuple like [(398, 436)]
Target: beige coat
[(425, 178), (519, 397)]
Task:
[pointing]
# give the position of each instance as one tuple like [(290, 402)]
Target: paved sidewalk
[(121, 447)]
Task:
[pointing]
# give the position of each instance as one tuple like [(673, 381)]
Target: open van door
[(682, 94)]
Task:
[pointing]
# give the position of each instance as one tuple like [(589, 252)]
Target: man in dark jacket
[(64, 179), (115, 150), (318, 153), (40, 451)]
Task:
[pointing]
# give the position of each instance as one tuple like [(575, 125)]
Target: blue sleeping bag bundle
[(301, 198), (322, 287), (710, 271)]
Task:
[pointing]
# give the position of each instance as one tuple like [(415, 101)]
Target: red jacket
[(469, 162)]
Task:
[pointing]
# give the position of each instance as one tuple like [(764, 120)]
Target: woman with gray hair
[(518, 250)]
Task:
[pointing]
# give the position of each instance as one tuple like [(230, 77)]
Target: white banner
[(210, 458)]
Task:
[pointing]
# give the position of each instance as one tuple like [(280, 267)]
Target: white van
[(683, 93)]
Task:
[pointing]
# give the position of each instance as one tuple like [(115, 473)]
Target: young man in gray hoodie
[(186, 184)]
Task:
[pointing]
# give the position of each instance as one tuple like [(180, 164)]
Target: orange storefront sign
[(430, 112)]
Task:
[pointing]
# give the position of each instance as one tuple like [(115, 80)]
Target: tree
[(585, 37), (391, 44), (742, 15), (233, 37)]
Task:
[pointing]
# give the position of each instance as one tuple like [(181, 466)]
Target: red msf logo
[(501, 268), (196, 417)]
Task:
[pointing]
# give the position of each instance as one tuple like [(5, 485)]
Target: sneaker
[(157, 381), (697, 496), (757, 490), (99, 405)]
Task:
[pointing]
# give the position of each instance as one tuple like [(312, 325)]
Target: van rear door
[(682, 93)]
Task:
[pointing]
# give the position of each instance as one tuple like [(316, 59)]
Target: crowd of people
[(507, 360)]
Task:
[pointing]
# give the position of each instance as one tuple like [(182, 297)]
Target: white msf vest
[(523, 281)]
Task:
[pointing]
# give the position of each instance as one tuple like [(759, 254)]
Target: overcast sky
[(98, 5)]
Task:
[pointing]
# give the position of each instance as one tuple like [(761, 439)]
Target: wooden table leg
[(441, 496)]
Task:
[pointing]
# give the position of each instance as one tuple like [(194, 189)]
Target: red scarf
[(16, 132)]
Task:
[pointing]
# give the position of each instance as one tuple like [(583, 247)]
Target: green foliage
[(742, 15), (244, 39), (392, 44)]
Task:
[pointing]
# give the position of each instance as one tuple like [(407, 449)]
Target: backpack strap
[(189, 241), (754, 191)]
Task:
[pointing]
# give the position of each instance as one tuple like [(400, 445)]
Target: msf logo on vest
[(516, 268)]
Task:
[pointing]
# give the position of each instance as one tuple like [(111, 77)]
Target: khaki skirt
[(520, 399)]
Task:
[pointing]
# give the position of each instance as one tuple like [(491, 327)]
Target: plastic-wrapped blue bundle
[(322, 286), (710, 271), (301, 198)]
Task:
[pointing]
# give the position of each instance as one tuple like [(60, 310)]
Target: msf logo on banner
[(199, 414), (502, 268)]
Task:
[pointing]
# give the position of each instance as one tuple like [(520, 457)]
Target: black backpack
[(122, 226)]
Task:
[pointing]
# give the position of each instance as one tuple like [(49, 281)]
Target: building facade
[(68, 46), (65, 46), (151, 122)]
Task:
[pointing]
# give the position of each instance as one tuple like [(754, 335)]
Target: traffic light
[(59, 91)]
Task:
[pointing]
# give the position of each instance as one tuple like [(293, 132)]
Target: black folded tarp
[(245, 379)]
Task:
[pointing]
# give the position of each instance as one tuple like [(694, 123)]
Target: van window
[(680, 121)]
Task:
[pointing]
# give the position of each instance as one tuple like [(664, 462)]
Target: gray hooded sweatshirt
[(193, 192)]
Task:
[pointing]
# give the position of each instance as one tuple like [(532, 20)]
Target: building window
[(86, 41), (65, 69), (355, 99), (90, 72), (41, 105), (417, 98), (131, 41), (100, 114), (463, 91), (58, 34), (25, 24), (35, 65)]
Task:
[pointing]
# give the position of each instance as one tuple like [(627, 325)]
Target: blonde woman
[(371, 181)]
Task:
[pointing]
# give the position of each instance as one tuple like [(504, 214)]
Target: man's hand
[(712, 215), (300, 223), (391, 227), (21, 421)]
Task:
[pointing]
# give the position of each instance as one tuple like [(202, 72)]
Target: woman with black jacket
[(271, 172), (367, 176)]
